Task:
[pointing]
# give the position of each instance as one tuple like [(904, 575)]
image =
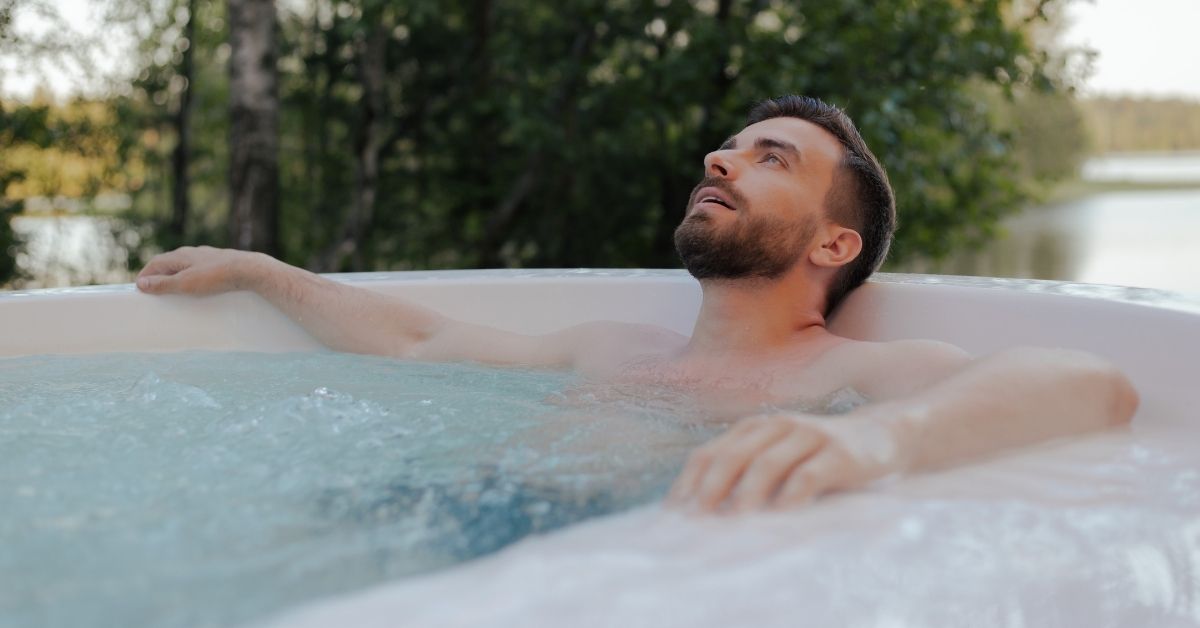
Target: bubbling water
[(211, 488)]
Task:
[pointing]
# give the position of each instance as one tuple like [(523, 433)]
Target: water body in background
[(1146, 238), (72, 250), (1174, 167)]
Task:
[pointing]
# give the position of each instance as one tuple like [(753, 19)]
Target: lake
[(72, 250), (1144, 237)]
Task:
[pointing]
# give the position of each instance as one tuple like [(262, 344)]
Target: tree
[(254, 127), (570, 132), (181, 155), (19, 126)]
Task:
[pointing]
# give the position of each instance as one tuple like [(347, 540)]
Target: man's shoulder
[(600, 346), (912, 349), (890, 369), (606, 333)]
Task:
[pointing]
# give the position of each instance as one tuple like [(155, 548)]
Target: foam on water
[(211, 489), (1103, 531), (207, 489)]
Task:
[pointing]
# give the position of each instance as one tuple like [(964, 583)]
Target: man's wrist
[(896, 436), (253, 271)]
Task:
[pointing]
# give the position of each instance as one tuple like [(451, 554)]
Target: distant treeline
[(1122, 124)]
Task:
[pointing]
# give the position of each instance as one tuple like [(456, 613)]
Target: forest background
[(369, 135)]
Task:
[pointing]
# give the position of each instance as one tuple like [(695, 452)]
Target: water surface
[(205, 489), (1145, 238)]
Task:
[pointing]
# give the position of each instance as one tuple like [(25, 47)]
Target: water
[(1145, 239), (1183, 166), (207, 489), (73, 250), (1095, 531), (1142, 238)]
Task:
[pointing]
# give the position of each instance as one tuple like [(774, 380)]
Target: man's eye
[(773, 157)]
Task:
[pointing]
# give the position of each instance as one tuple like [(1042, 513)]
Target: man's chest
[(738, 388)]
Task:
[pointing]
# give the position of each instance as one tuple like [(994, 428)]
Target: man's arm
[(352, 319), (1013, 398)]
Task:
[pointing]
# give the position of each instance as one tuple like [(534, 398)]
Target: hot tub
[(1100, 531)]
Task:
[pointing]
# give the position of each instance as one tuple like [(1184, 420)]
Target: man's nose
[(718, 164)]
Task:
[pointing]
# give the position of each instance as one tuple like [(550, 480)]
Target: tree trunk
[(370, 141), (253, 127), (179, 159)]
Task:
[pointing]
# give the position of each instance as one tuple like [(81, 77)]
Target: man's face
[(762, 198)]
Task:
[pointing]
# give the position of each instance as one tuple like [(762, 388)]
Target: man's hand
[(199, 271), (786, 460), (1012, 398)]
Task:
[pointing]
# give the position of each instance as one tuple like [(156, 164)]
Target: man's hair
[(859, 197)]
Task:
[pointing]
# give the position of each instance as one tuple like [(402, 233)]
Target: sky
[(1144, 47)]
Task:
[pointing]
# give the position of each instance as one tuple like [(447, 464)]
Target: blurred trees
[(253, 127), (1123, 124), (181, 155), (569, 132)]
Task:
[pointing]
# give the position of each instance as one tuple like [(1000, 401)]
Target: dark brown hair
[(860, 196)]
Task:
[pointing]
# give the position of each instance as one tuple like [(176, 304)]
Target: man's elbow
[(1112, 386), (1124, 398), (1083, 373)]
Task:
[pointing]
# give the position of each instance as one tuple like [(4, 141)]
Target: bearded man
[(793, 213)]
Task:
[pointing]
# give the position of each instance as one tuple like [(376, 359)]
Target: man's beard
[(754, 247)]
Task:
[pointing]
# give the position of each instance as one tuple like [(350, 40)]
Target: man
[(793, 212)]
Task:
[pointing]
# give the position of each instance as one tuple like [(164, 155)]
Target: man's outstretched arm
[(349, 318), (1013, 398)]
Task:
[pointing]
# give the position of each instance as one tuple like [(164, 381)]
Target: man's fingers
[(693, 471), (730, 461), (159, 284), (166, 264), (819, 474), (697, 464), (772, 467)]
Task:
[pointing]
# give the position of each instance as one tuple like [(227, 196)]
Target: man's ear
[(839, 246)]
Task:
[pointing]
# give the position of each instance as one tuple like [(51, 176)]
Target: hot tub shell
[(653, 568)]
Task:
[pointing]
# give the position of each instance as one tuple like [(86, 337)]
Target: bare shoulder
[(600, 346), (887, 370)]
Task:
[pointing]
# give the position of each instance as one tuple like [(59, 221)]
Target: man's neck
[(753, 317)]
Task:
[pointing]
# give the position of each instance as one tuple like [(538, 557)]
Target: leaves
[(570, 132)]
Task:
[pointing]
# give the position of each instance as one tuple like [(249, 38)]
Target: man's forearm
[(342, 317), (1016, 397), (347, 318)]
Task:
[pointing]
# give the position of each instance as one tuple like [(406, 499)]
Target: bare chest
[(736, 388)]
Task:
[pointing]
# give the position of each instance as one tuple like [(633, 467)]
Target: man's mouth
[(714, 195)]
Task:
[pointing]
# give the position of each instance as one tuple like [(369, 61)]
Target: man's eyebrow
[(765, 143)]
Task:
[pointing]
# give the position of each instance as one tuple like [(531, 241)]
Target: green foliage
[(143, 114), (1051, 137), (570, 132), (19, 126)]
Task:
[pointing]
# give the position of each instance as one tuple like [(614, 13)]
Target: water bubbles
[(152, 389), (171, 484)]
